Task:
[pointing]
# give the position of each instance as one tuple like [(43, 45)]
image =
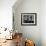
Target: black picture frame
[(29, 19)]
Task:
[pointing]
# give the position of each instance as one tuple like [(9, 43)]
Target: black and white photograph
[(28, 18)]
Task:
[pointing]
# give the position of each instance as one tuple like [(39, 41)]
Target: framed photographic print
[(28, 18)]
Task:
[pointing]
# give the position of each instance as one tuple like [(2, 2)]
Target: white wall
[(6, 13), (31, 32), (43, 22)]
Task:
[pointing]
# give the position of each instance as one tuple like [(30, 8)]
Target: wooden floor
[(9, 43)]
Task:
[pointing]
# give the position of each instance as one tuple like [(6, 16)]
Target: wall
[(43, 22), (6, 13), (29, 32)]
